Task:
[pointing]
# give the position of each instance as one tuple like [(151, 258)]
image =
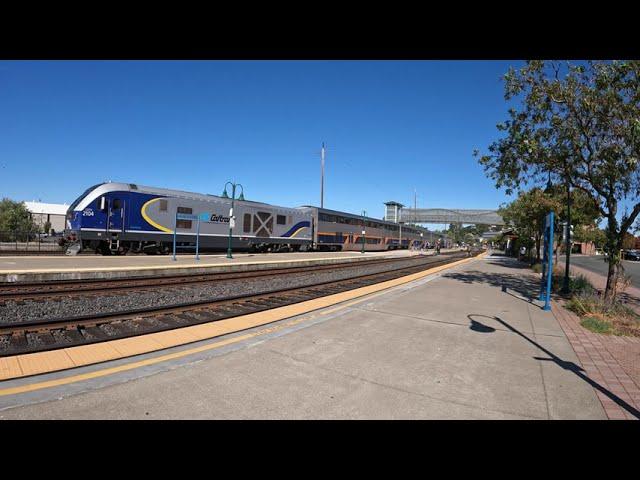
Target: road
[(597, 264)]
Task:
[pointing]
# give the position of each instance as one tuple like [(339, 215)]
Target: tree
[(580, 123), (458, 233), (590, 233), (584, 216), (527, 214), (628, 242), (14, 216), (480, 229)]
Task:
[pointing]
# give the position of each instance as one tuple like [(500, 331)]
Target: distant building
[(585, 248), (54, 213), (393, 211)]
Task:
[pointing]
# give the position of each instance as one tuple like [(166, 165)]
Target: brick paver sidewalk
[(609, 360)]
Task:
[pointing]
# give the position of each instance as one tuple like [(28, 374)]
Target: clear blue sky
[(389, 126)]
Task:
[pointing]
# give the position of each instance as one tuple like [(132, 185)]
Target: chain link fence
[(17, 242)]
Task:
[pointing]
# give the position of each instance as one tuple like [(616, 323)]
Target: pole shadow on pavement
[(572, 367)]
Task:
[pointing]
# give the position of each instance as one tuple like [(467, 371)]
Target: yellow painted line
[(66, 358)]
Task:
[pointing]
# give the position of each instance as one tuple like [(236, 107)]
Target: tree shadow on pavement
[(515, 264), (526, 286), (570, 366)]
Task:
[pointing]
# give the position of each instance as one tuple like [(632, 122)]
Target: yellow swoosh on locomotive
[(143, 211)]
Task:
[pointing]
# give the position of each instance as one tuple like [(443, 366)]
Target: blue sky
[(389, 126)]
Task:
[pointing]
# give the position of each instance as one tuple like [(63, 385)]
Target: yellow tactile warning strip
[(46, 362)]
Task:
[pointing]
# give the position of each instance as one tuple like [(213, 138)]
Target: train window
[(325, 217), (163, 205), (184, 223), (247, 222), (281, 220), (117, 204), (133, 186), (104, 204)]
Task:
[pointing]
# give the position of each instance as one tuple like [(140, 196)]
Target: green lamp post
[(232, 220)]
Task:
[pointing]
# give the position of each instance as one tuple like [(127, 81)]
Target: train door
[(314, 231), (116, 215)]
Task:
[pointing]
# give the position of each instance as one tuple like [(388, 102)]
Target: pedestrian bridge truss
[(446, 215)]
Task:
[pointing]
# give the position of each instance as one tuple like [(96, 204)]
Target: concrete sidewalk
[(449, 346)]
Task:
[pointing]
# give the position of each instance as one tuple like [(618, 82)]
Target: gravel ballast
[(171, 295)]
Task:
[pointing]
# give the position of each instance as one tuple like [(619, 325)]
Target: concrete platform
[(449, 346), (53, 268)]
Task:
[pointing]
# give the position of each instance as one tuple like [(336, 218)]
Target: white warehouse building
[(54, 213)]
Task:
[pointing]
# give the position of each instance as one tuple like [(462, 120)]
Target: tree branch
[(630, 219)]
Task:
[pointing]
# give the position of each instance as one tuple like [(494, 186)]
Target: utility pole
[(322, 176)]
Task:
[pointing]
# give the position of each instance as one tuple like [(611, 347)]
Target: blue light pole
[(231, 217), (547, 304)]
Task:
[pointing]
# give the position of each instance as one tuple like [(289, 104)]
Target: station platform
[(55, 268), (464, 342)]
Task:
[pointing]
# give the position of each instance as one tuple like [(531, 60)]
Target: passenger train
[(117, 218), (343, 231)]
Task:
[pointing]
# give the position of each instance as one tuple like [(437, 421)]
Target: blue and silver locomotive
[(116, 218)]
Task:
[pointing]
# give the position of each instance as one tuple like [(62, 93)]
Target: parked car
[(633, 255)]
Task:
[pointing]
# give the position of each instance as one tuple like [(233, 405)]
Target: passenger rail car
[(122, 217), (340, 231)]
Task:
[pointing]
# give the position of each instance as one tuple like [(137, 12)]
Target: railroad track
[(43, 291), (55, 333)]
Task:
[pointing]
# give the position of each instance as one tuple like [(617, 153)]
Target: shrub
[(596, 325), (604, 317), (579, 284)]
